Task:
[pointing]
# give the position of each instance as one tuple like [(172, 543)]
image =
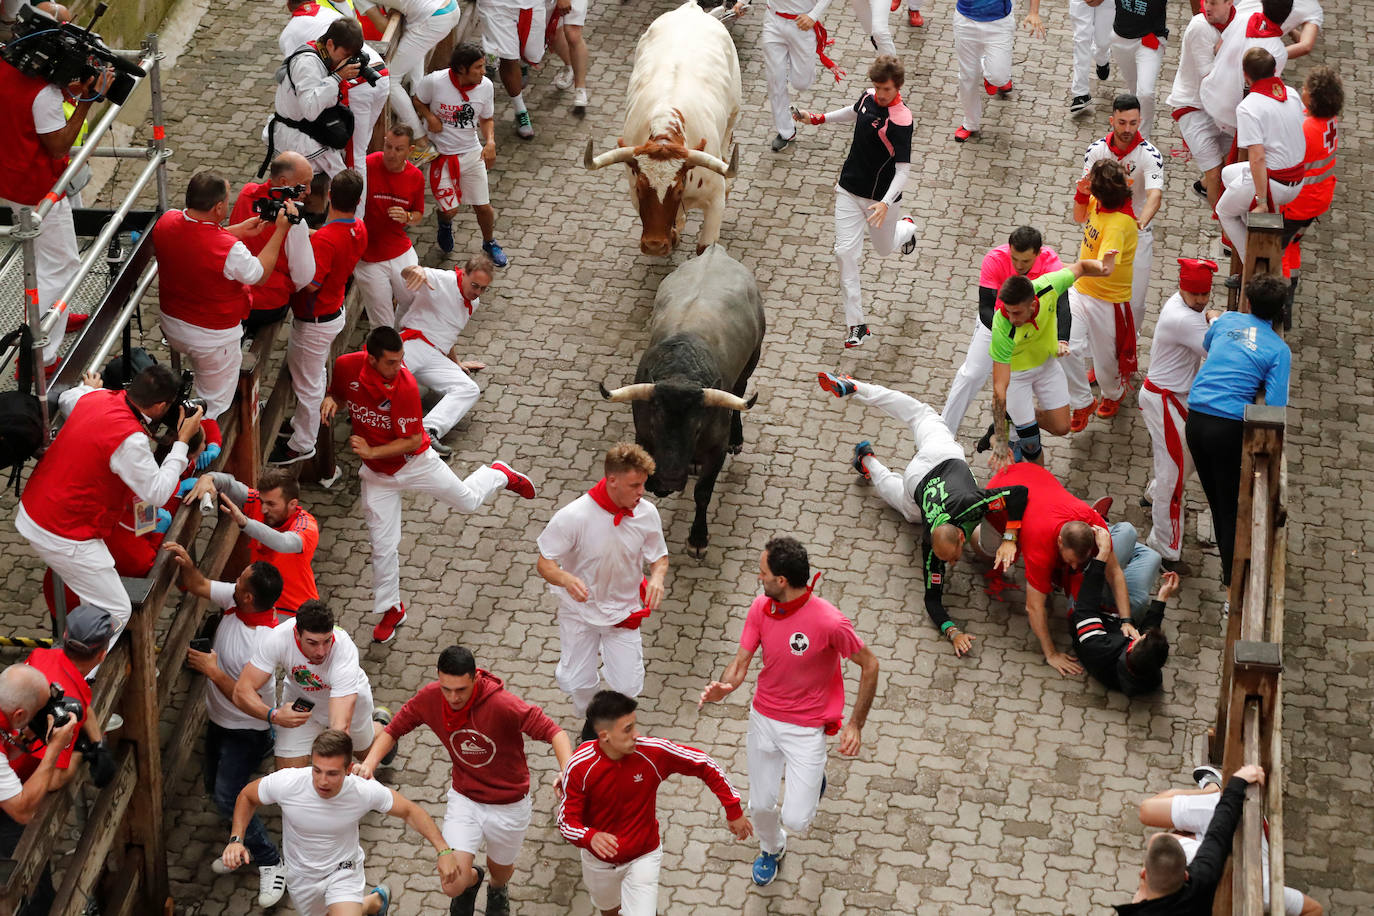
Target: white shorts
[(512, 33), (1045, 384), (576, 15), (467, 824), (312, 896), (633, 886), (295, 742), (1193, 813), (1206, 141), (459, 179)]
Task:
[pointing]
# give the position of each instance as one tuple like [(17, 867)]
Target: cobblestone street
[(986, 785)]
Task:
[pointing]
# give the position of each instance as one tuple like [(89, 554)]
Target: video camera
[(268, 207), (364, 68), (60, 708), (62, 53)]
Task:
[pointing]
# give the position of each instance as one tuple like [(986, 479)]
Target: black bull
[(704, 342)]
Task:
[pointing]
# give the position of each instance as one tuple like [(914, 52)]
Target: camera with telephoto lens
[(365, 70), (60, 708), (62, 53), (268, 207)]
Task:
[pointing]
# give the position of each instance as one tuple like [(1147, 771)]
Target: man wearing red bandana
[(1206, 142), (1255, 25), (1175, 354), (1269, 128), (1139, 32), (799, 699), (593, 553)]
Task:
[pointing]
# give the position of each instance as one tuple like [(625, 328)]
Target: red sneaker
[(1103, 506), (1092, 375), (962, 134), (75, 320), (895, 4), (1108, 408), (386, 630), (1078, 421), (915, 18), (516, 482)]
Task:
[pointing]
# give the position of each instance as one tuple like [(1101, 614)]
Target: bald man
[(296, 262)]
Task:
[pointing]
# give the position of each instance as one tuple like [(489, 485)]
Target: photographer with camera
[(288, 178), (24, 695), (312, 115), (204, 275), (101, 464), (236, 742)]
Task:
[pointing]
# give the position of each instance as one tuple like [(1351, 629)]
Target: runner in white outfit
[(984, 31), (935, 444), (1223, 87), (789, 57), (1092, 48), (427, 22), (873, 18), (1139, 32), (1207, 143)]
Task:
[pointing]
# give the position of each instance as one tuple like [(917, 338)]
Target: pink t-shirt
[(800, 683), (997, 267)]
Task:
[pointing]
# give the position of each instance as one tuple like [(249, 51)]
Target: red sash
[(412, 334), (821, 42), (1173, 444), (1126, 362)]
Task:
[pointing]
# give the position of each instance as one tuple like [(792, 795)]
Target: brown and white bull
[(681, 108)]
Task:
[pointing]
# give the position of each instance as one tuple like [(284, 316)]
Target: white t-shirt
[(460, 112), (234, 643), (10, 786), (1176, 350), (439, 313), (48, 115), (340, 675), (1144, 167), (1224, 85), (609, 559), (1199, 50), (320, 835), (1275, 125)]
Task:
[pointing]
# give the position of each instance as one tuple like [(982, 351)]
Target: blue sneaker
[(445, 236), (841, 386), (493, 250), (766, 867), (861, 451), (384, 892)]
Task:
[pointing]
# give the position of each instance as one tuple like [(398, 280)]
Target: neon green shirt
[(1036, 341)]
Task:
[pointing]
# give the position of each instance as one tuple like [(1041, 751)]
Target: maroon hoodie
[(485, 739)]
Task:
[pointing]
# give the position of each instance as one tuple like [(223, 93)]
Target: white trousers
[(970, 378), (1139, 68), (789, 60), (1045, 384), (367, 104), (983, 50), (851, 225), (86, 567), (873, 18), (381, 497), (1093, 336), (1236, 200), (307, 354), (633, 887), (934, 444), (585, 647), (774, 750), (56, 258), (436, 371), (409, 62), (381, 287), (1140, 278), (1173, 463), (1092, 41), (216, 356)]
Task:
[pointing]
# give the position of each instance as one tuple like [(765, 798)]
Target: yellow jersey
[(1105, 232)]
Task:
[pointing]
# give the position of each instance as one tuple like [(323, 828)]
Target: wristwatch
[(233, 840)]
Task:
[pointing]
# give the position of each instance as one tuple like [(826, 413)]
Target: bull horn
[(714, 397), (733, 170), (619, 154), (637, 392), (696, 157)]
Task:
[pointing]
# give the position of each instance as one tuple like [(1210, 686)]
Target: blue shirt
[(983, 10), (1243, 353)]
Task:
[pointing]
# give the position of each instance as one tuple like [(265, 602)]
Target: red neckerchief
[(1127, 208), (1260, 27), (308, 9), (455, 719), (369, 369), (1001, 307), (1272, 87), (1222, 27), (778, 610), (1123, 153), (267, 618), (603, 499), (462, 90), (467, 303)]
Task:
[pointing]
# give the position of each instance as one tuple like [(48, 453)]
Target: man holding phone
[(236, 742)]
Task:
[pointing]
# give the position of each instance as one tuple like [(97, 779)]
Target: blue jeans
[(1140, 564), (232, 756)]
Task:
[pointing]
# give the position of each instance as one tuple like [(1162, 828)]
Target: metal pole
[(102, 355), (151, 52), (27, 232)]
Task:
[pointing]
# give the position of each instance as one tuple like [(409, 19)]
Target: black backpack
[(21, 416), (333, 128)]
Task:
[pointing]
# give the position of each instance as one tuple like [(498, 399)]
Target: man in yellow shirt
[(1103, 326)]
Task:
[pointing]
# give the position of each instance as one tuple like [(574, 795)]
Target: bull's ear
[(701, 144), (619, 141)]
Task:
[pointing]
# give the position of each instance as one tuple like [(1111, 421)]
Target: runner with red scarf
[(799, 699), (593, 553), (483, 727), (1103, 324)]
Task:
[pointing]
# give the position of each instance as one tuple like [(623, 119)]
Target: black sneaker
[(466, 902), (1104, 70), (283, 454), (985, 441), (1080, 104), (498, 901), (1206, 775), (858, 333), (861, 451), (1146, 502), (1183, 568), (444, 237), (382, 716), (440, 449), (1199, 190)]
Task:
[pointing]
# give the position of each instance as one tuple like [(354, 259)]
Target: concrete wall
[(126, 21)]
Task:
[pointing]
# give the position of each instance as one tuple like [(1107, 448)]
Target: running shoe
[(915, 18), (524, 127), (861, 451), (445, 234), (493, 250), (1078, 421), (564, 79), (838, 385), (766, 867), (858, 333), (516, 482), (385, 631)]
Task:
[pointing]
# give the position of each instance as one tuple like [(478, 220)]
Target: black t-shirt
[(882, 138), (1138, 18)]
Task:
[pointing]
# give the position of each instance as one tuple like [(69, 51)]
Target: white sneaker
[(564, 79), (271, 884), (579, 105)]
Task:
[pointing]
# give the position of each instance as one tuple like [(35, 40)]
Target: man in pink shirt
[(799, 698), (1025, 255)]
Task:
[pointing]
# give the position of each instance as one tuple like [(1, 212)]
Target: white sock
[(519, 101), (913, 5)]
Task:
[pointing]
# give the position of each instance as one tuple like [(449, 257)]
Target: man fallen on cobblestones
[(593, 553), (1129, 664), (936, 491), (610, 793), (383, 402), (321, 805), (799, 699), (483, 727), (236, 742)]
